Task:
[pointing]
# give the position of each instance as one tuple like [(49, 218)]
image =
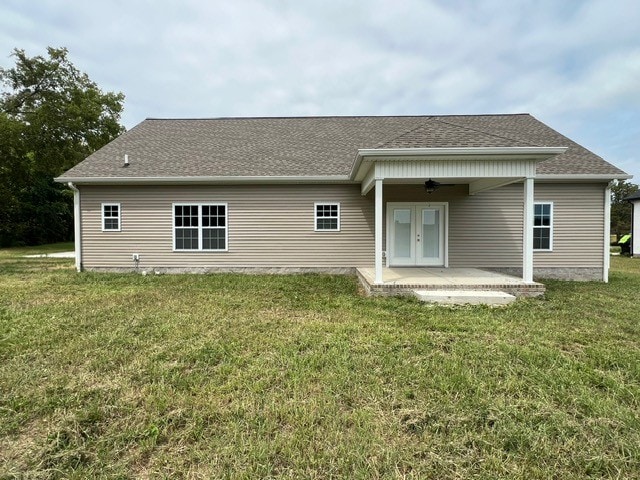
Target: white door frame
[(416, 206)]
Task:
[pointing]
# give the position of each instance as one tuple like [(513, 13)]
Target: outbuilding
[(634, 200)]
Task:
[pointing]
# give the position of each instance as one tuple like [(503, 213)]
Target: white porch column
[(378, 232), (527, 236)]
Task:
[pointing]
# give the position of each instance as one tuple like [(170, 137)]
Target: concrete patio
[(405, 280)]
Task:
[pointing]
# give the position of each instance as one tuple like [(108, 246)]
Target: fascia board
[(581, 177), (204, 180), (463, 151)]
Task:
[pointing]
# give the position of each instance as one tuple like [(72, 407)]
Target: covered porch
[(404, 280), (412, 239)]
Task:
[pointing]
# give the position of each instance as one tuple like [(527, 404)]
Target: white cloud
[(572, 63)]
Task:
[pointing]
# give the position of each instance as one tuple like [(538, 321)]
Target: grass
[(231, 376), (41, 249)]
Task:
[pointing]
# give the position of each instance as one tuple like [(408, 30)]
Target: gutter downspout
[(77, 225), (607, 232)]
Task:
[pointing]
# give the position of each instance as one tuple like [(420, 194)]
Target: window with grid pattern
[(543, 226), (110, 217), (327, 217), (200, 227)]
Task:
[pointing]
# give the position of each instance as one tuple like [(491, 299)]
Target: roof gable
[(439, 133)]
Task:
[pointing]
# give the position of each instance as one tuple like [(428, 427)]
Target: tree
[(52, 116), (620, 208)]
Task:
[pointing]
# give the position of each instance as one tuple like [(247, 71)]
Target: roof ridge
[(504, 137), (421, 125), (284, 117)]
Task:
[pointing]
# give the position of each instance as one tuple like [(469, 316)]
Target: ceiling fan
[(431, 185)]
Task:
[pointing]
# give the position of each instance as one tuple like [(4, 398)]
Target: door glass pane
[(402, 230), (430, 233)]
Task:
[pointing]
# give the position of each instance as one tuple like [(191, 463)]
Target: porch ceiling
[(480, 177), (476, 185)]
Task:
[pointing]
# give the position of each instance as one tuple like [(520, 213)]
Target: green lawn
[(231, 376)]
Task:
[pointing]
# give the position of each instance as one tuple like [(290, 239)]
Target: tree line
[(52, 116), (620, 208)]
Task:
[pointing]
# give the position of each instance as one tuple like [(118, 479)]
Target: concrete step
[(464, 297)]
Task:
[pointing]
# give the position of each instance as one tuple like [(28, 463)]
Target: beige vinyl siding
[(268, 226), (485, 230), (578, 225), (273, 225)]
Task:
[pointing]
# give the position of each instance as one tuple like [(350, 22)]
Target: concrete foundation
[(578, 274), (243, 270)]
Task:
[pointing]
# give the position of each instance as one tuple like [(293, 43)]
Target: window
[(200, 227), (110, 217), (543, 226), (327, 217)]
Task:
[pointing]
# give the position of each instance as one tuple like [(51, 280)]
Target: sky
[(574, 65)]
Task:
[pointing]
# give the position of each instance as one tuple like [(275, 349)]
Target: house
[(634, 200), (504, 193)]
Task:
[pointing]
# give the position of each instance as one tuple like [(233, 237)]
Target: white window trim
[(119, 217), (315, 218), (200, 228), (550, 227)]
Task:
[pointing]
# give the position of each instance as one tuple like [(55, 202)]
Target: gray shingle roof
[(633, 196), (315, 146)]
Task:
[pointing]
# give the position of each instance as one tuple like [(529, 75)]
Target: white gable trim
[(469, 164), (405, 169), (366, 157), (536, 152)]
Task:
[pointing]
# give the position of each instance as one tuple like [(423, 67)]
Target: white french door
[(416, 234)]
